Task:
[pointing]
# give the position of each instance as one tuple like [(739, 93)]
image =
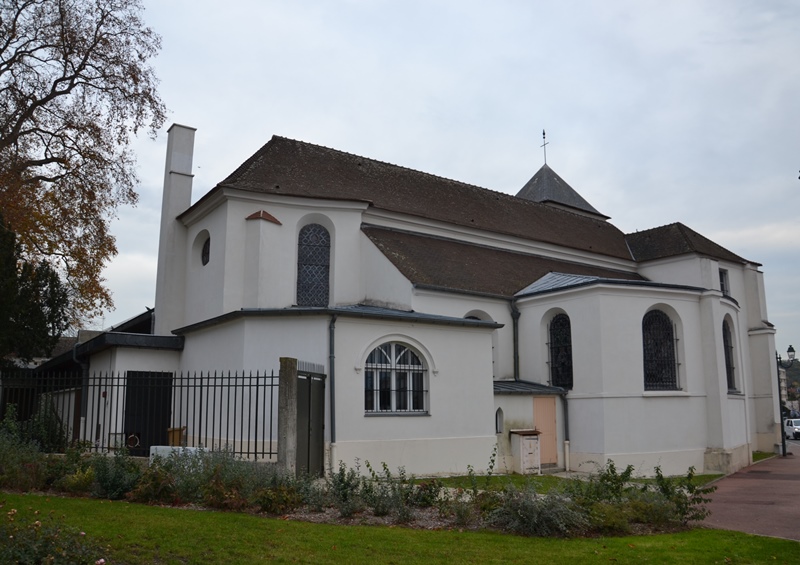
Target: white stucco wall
[(611, 415), (381, 282), (483, 308), (458, 429)]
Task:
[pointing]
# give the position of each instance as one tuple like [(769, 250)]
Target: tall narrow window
[(313, 266), (724, 284), (660, 367), (561, 352), (394, 380), (727, 345), (205, 253)]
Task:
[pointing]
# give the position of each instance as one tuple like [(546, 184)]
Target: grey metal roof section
[(556, 281), (362, 310), (553, 282), (526, 387), (350, 311), (546, 186), (107, 340)]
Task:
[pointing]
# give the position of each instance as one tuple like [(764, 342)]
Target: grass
[(134, 534), (761, 455), (542, 483)]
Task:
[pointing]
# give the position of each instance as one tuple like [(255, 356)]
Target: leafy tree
[(33, 303), (75, 88)]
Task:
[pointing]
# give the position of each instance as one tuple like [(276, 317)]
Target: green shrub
[(224, 490), (278, 499), (608, 518), (604, 485), (344, 486), (45, 428), (22, 464), (188, 472), (156, 484), (71, 472), (688, 498), (650, 507), (427, 493), (79, 482), (27, 537), (527, 513), (114, 476), (461, 508), (313, 493)]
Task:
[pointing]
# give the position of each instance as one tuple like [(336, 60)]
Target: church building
[(453, 320)]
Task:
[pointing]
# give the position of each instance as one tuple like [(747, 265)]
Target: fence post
[(287, 415)]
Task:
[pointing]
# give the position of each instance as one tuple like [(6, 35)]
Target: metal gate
[(147, 410), (310, 419)]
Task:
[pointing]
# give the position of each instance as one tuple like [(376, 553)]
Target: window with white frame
[(394, 380), (660, 362)]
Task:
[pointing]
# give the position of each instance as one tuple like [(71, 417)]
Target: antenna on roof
[(544, 146)]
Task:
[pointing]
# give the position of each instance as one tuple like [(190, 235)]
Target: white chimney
[(172, 244)]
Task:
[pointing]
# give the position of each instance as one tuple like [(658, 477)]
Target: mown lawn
[(134, 533)]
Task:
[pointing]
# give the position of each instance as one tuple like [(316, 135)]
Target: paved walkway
[(762, 499)]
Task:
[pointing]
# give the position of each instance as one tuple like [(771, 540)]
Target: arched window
[(394, 380), (205, 253), (727, 345), (313, 265), (561, 352), (658, 337), (498, 421)]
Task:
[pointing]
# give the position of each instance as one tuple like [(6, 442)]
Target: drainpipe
[(566, 429), (515, 323), (84, 388), (332, 375)]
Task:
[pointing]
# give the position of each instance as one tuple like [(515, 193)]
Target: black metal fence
[(232, 411)]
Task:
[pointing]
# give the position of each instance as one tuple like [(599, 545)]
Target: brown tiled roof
[(676, 239), (285, 166), (450, 264)]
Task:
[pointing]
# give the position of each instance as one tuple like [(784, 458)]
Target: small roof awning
[(526, 387)]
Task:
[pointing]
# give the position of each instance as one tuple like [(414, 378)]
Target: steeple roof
[(547, 187)]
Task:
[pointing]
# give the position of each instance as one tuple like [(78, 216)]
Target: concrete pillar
[(172, 242), (715, 380), (287, 415)]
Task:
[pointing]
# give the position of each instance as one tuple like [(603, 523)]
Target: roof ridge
[(417, 171), (661, 227), (390, 164)]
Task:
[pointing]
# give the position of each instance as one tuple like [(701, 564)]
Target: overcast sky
[(655, 111)]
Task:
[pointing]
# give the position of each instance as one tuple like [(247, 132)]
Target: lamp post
[(779, 361)]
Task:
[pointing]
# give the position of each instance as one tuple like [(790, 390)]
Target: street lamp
[(779, 361)]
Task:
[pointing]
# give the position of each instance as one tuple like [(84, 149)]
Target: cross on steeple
[(544, 146)]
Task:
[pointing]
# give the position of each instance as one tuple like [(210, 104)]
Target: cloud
[(656, 111)]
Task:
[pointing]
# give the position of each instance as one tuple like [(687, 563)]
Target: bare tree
[(76, 86)]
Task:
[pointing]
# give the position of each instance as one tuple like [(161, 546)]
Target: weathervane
[(544, 146)]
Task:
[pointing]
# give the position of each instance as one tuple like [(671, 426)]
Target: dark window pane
[(385, 383), (313, 270), (727, 345), (402, 391), (561, 351), (369, 390), (660, 369)]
